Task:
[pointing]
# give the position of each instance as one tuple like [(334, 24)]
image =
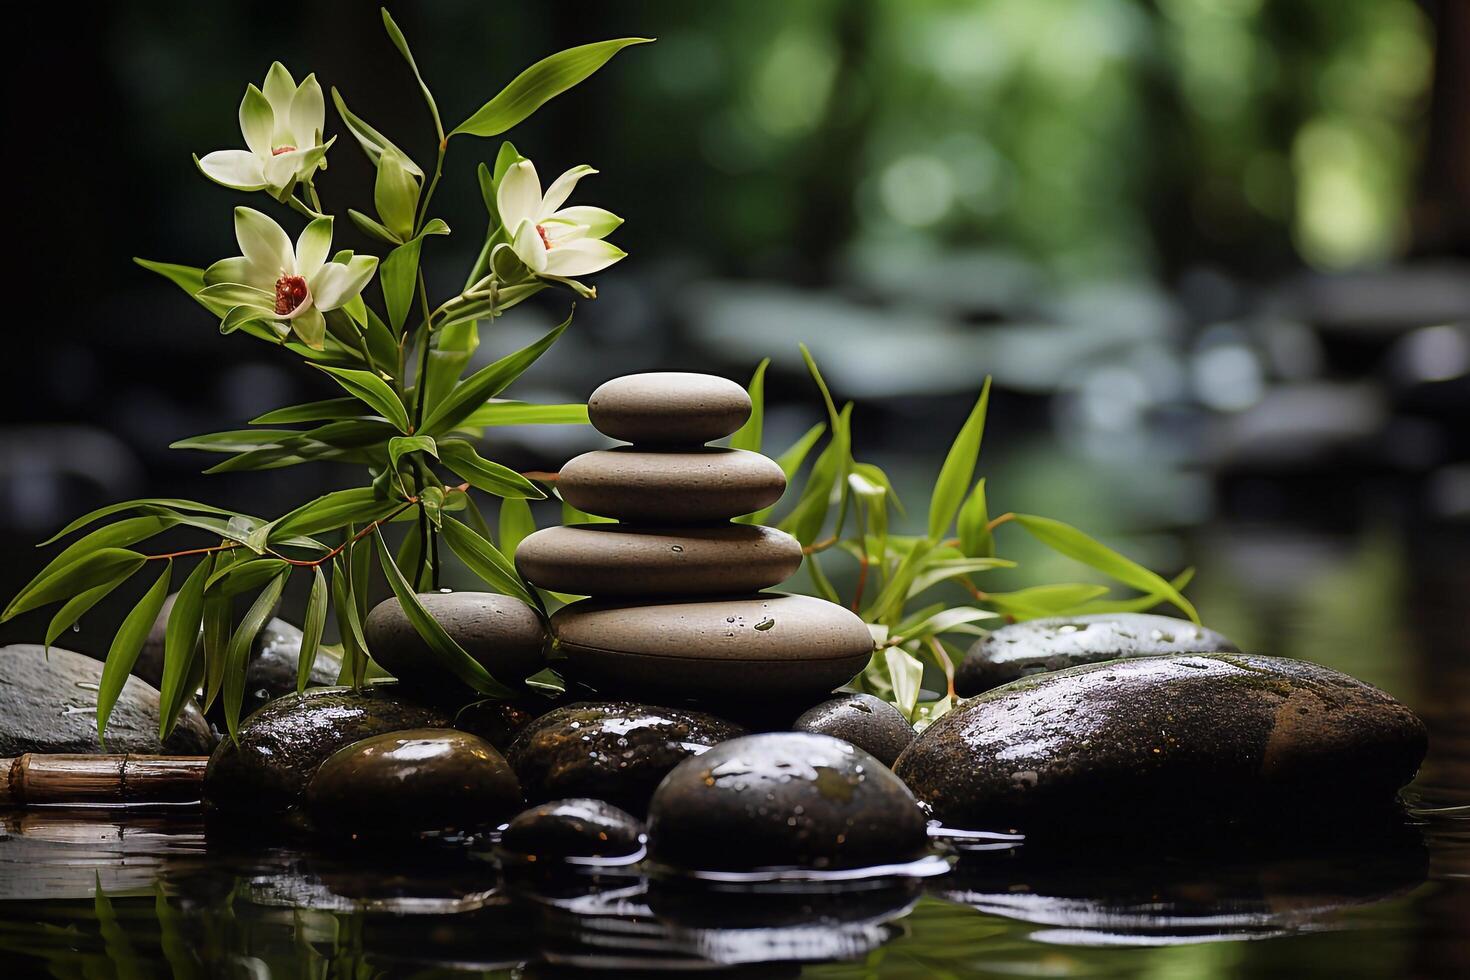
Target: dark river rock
[(784, 800), (49, 704), (870, 723), (616, 751), (572, 828), (1059, 642), (408, 782), (1132, 743), (283, 743), (506, 636)]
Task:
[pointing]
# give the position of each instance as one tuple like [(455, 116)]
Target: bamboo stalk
[(35, 778)]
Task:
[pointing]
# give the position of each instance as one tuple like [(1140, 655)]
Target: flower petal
[(313, 246), (280, 88), (519, 196), (529, 247), (561, 188), (311, 327), (257, 121), (265, 245), (239, 169), (558, 233), (236, 270), (235, 294), (580, 257), (308, 114), (599, 223), (336, 284)]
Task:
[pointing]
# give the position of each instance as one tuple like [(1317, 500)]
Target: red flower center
[(290, 293), (545, 238), (281, 149)]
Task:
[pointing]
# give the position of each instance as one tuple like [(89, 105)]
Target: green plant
[(407, 413), (847, 506)]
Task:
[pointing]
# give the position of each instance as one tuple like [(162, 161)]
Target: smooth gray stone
[(615, 751), (767, 646), (411, 782), (1059, 642), (668, 408), (670, 486), (282, 744), (621, 560), (572, 828), (1132, 743), (870, 723), (49, 704), (783, 800), (500, 632)]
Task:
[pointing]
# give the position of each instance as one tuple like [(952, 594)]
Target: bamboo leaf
[(125, 532), (166, 503), (958, 469), (543, 81), (1140, 604), (356, 505), (399, 446), (486, 561), (326, 410), (237, 657), (82, 575), (243, 576), (373, 391), (126, 646), (829, 471), (483, 474), (516, 523), (76, 607), (1067, 540), (442, 647), (748, 436), (397, 276), (905, 676), (790, 462), (522, 413), (1039, 601), (489, 381), (976, 538), (311, 628), (180, 644), (401, 43)]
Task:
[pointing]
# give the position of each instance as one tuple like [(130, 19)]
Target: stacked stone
[(675, 606)]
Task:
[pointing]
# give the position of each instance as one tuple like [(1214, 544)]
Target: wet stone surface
[(870, 723), (668, 407), (501, 632), (784, 800), (572, 828), (615, 751), (49, 704), (408, 782), (1137, 743), (1059, 642), (282, 744)]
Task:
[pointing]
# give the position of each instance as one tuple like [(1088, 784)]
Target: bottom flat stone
[(766, 644)]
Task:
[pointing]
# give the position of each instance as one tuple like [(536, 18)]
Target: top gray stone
[(1041, 645), (668, 408)]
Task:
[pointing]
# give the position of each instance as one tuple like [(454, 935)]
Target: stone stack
[(676, 608)]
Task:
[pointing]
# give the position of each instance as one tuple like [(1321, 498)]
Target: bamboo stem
[(35, 778)]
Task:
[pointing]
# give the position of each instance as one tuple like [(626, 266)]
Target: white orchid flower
[(282, 125), (549, 239), (278, 283)]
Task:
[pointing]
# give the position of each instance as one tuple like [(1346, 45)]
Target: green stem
[(418, 223), (426, 337), (316, 202)]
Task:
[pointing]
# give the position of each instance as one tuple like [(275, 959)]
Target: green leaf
[(976, 538), (829, 472), (311, 628), (356, 505), (396, 194), (543, 81), (905, 675), (516, 524), (144, 503), (888, 606), (790, 462), (397, 276), (349, 624), (483, 474), (1067, 540), (372, 228), (372, 390), (243, 576), (180, 644), (398, 446), (188, 278), (373, 142), (401, 43), (82, 575), (125, 532), (943, 622), (874, 499), (496, 412), (959, 468), (454, 345), (1140, 604), (237, 440), (76, 607), (126, 646), (748, 436), (1039, 601), (486, 561), (488, 382), (942, 570), (441, 646), (237, 657), (327, 410)]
